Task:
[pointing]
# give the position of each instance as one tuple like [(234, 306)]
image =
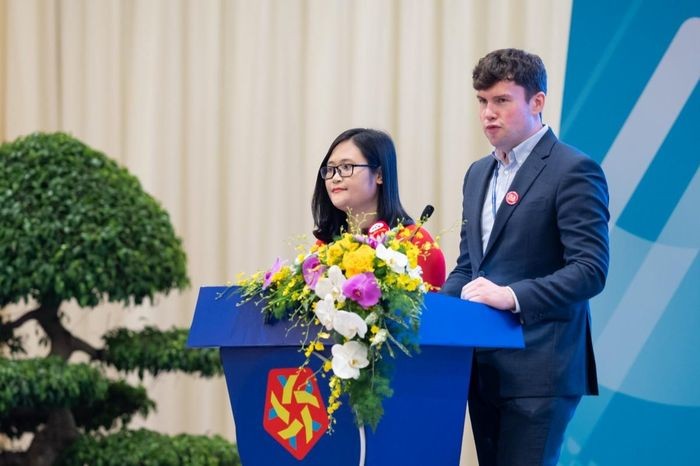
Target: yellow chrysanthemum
[(359, 261), (348, 242), (334, 254)]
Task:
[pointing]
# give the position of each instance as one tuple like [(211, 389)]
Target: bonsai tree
[(76, 226)]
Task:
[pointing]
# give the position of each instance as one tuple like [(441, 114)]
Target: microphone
[(424, 216), (427, 212)]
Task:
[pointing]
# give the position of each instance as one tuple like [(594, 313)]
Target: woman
[(358, 187)]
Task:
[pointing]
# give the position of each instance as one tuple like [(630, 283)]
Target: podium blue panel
[(423, 421), (446, 321)]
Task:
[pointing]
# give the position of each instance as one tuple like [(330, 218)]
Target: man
[(534, 242)]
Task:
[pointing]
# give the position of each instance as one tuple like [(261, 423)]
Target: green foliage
[(156, 351), (121, 402), (76, 225), (118, 403), (146, 448), (368, 392), (38, 385)]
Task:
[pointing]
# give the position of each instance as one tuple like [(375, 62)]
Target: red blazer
[(432, 261)]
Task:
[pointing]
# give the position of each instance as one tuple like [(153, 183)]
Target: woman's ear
[(379, 177)]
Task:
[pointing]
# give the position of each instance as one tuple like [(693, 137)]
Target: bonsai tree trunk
[(58, 433), (60, 430)]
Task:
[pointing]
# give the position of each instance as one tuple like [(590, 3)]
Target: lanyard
[(494, 184)]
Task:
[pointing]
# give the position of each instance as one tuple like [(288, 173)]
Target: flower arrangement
[(360, 294)]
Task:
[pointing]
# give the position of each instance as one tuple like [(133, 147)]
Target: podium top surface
[(446, 321)]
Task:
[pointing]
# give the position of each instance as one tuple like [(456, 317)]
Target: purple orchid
[(312, 269), (276, 267), (368, 240), (363, 289)]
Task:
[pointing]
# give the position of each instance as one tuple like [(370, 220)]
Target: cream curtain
[(224, 109)]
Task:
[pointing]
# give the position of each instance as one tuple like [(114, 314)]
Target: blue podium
[(424, 419)]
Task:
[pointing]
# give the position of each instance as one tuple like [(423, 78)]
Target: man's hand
[(485, 291)]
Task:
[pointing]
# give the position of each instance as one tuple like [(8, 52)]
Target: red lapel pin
[(512, 198)]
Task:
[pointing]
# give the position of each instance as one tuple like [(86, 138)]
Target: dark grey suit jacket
[(551, 248)]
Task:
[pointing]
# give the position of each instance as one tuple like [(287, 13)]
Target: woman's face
[(357, 194)]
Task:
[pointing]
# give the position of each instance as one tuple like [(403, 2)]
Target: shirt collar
[(520, 152)]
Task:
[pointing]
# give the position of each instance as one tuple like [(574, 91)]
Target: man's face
[(506, 116)]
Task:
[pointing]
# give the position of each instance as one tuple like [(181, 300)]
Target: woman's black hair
[(378, 148)]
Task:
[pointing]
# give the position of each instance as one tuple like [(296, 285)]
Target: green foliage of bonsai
[(76, 226), (143, 447), (48, 382), (30, 388), (153, 350)]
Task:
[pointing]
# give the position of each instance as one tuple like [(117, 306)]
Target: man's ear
[(537, 102)]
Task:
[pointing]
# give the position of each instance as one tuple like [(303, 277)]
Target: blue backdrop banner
[(632, 102)]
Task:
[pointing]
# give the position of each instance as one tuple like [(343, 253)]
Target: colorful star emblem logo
[(295, 415)]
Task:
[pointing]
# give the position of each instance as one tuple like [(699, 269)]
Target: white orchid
[(379, 337), (325, 312), (331, 285), (396, 260), (415, 272), (349, 324), (348, 359), (371, 318)]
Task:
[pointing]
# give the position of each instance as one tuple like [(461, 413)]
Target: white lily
[(349, 324), (394, 259), (331, 285), (348, 359), (325, 312)]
